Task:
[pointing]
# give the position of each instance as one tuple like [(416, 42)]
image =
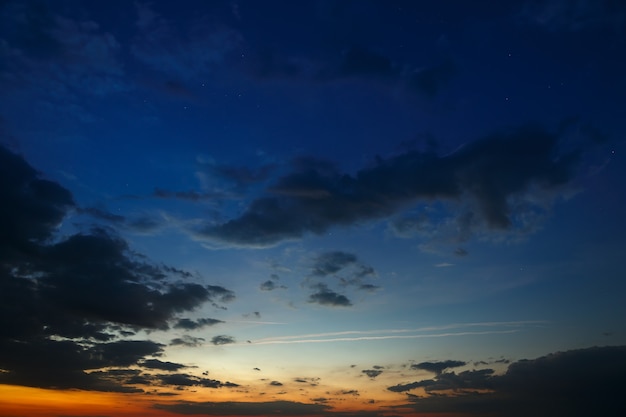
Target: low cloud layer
[(573, 383)]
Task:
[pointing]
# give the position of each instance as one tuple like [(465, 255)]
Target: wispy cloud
[(385, 334)]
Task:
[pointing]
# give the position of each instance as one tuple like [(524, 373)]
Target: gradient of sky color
[(312, 208)]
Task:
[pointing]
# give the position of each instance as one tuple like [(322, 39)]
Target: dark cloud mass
[(243, 408), (189, 324), (65, 304), (328, 297), (574, 383), (372, 373), (485, 175), (187, 340), (332, 262), (437, 367), (32, 206), (222, 340), (164, 366)]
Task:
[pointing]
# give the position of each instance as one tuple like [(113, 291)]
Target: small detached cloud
[(187, 340), (437, 367), (222, 340), (372, 373), (346, 268), (326, 297), (332, 262)]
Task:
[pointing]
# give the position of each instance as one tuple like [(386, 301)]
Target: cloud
[(33, 207), (67, 303), (230, 408), (488, 182), (346, 268), (186, 340), (410, 386), (372, 373), (186, 380), (325, 296), (437, 367), (332, 262), (189, 324), (276, 384), (572, 383), (222, 340), (44, 363), (164, 366), (140, 224)]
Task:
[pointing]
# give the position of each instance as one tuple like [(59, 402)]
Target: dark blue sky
[(311, 200)]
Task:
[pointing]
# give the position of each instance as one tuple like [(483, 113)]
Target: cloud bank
[(492, 180), (66, 305)]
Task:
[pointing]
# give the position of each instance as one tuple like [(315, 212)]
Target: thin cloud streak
[(357, 339), (419, 329)]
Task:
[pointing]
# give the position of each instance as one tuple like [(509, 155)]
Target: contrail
[(419, 329), (354, 339)]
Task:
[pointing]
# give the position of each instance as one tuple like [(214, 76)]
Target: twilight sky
[(312, 208)]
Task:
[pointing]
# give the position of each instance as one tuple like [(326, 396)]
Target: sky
[(312, 208)]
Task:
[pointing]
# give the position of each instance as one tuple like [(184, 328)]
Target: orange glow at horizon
[(38, 402)]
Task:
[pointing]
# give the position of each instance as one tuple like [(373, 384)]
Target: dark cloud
[(573, 383), (332, 262), (189, 324), (485, 175), (407, 387), (187, 340), (186, 380), (96, 276), (327, 297), (164, 366), (437, 367), (66, 303), (33, 207), (229, 408), (276, 383), (102, 214), (372, 373), (270, 285), (47, 363), (222, 340), (369, 287), (141, 224), (346, 268)]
